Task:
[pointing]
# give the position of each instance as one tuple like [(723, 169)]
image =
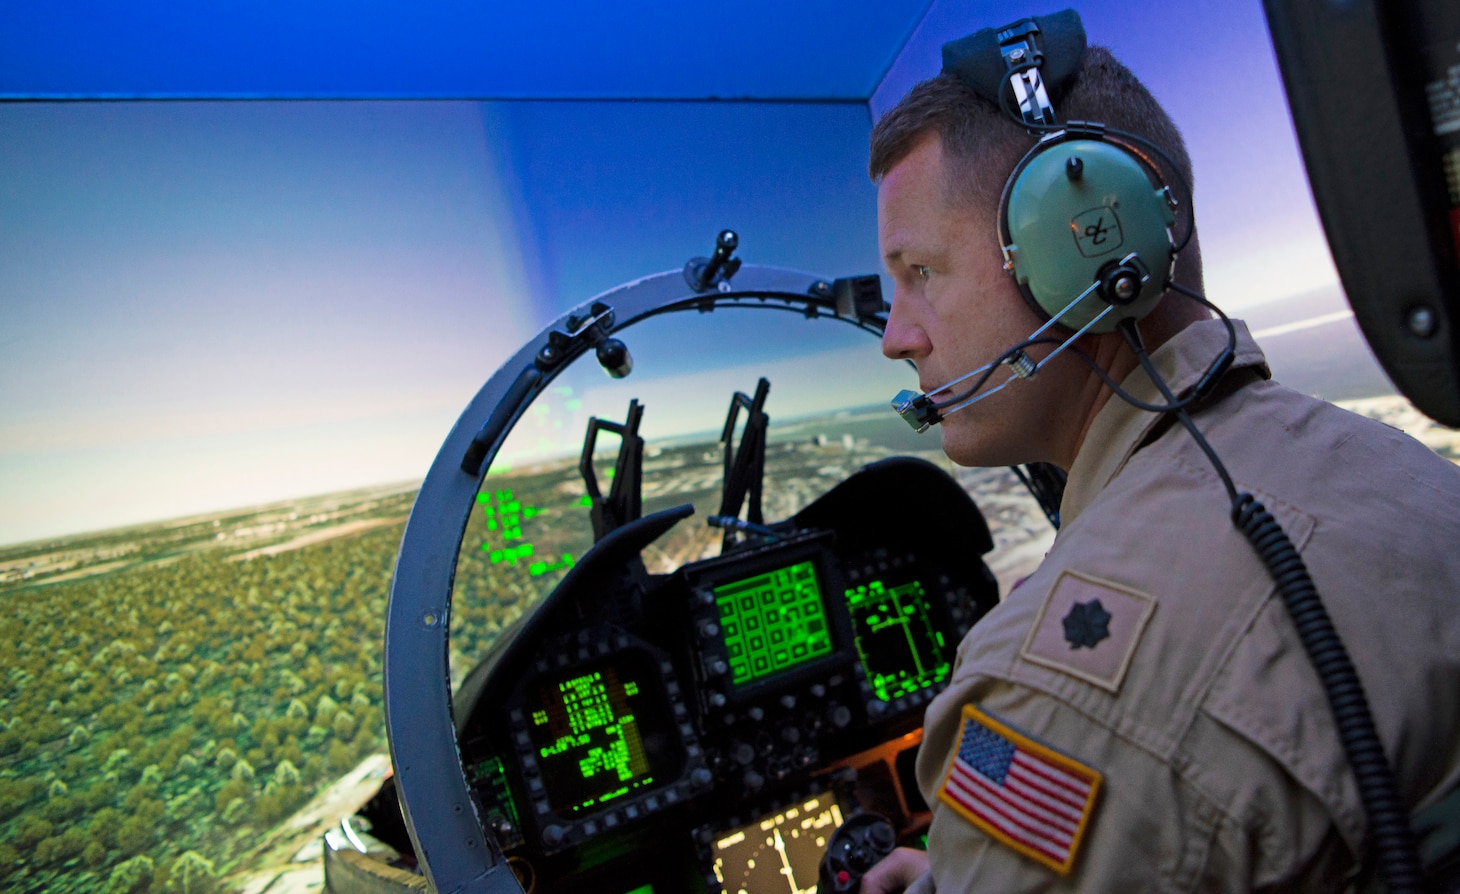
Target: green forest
[(159, 716), (156, 720)]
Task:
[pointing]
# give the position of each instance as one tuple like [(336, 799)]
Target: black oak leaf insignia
[(1086, 624)]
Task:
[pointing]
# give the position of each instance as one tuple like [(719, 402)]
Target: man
[(1172, 730)]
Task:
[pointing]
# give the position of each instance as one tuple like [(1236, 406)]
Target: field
[(175, 693)]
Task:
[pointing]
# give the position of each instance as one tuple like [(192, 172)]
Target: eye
[(923, 271)]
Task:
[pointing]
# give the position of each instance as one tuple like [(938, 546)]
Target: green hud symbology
[(901, 651), (773, 621), (588, 740), (504, 514)]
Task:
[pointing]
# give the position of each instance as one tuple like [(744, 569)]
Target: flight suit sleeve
[(1144, 830), (1222, 816)]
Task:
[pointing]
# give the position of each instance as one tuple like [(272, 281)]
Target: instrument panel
[(708, 729)]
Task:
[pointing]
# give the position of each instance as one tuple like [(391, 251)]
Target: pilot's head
[(940, 158)]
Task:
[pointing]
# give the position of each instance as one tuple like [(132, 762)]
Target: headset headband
[(1085, 217), (1036, 57)]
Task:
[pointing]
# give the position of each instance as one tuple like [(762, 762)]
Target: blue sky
[(216, 304)]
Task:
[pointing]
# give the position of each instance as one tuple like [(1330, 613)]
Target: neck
[(1113, 356), (1111, 353)]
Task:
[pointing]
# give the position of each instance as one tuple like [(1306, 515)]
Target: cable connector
[(1021, 364), (916, 410)]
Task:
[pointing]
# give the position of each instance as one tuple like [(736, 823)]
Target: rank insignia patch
[(1086, 624), (1089, 628), (1020, 792)]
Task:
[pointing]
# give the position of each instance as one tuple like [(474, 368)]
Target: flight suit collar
[(1120, 429)]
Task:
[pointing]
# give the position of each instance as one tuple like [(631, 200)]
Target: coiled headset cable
[(1389, 829)]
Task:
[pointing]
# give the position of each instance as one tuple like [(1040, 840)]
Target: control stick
[(858, 845)]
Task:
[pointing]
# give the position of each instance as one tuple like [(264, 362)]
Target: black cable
[(1132, 336), (1390, 834), (1389, 829), (993, 368), (1205, 384), (1047, 483), (1087, 359)]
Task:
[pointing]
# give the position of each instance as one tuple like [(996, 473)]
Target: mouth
[(941, 394)]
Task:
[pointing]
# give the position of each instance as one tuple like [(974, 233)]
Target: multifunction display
[(902, 650), (598, 735), (772, 622)]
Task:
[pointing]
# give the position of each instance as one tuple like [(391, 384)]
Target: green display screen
[(773, 622), (901, 651), (599, 736), (498, 809)]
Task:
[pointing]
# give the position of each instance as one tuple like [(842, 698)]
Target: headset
[(1086, 219)]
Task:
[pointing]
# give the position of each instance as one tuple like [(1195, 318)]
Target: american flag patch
[(1024, 794)]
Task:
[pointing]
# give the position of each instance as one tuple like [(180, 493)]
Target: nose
[(904, 338)]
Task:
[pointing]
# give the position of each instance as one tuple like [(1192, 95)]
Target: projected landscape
[(182, 699)]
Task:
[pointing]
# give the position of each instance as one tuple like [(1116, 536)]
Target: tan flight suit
[(1222, 770)]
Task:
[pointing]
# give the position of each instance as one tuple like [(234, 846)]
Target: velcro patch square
[(1089, 628), (1019, 791)]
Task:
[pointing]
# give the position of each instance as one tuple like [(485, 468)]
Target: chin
[(963, 446), (967, 443)]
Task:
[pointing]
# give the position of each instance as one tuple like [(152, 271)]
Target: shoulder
[(1029, 795), (1149, 639), (1317, 453)]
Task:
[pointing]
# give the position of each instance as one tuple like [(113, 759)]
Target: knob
[(882, 837)]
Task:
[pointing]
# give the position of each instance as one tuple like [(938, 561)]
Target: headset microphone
[(920, 410)]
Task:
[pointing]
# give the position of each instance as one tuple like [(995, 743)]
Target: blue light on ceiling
[(552, 49)]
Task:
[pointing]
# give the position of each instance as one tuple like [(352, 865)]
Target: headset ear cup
[(1072, 211)]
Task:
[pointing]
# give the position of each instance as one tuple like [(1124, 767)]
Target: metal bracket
[(1020, 48), (702, 274)]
